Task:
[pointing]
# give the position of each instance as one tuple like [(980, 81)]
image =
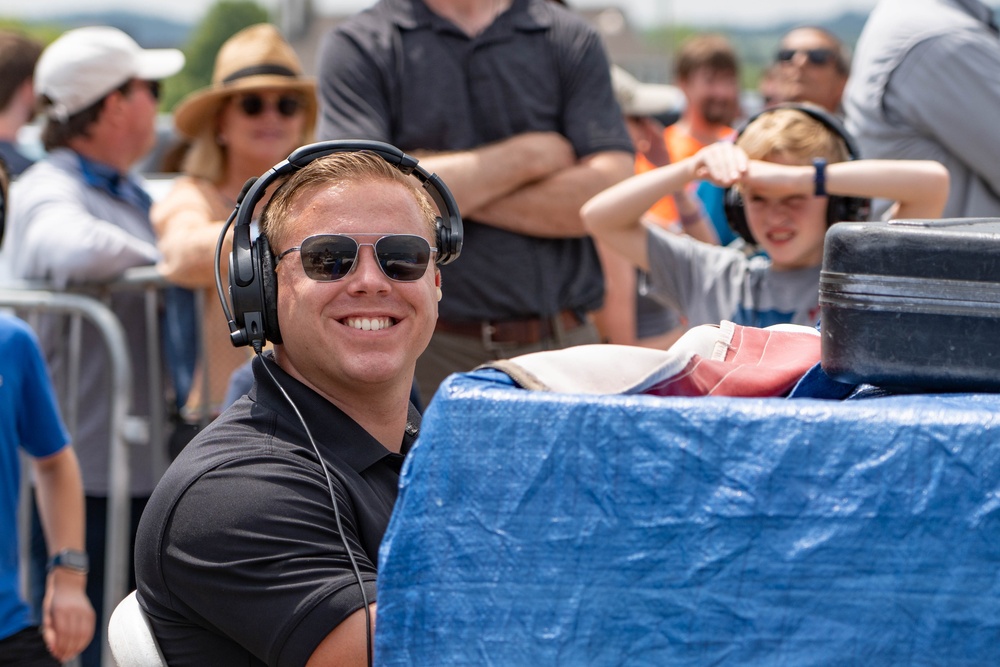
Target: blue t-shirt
[(29, 419), (712, 199)]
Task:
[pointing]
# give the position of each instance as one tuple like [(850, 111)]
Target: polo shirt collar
[(332, 429), (413, 14), (112, 182)]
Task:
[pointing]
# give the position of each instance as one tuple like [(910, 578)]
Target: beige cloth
[(187, 222)]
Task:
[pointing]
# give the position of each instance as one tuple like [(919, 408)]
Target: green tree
[(223, 20), (46, 33)]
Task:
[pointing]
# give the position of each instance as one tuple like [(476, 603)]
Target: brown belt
[(522, 332)]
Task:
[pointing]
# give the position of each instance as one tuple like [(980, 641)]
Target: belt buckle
[(486, 331)]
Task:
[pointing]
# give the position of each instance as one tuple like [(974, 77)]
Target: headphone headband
[(252, 282), (819, 114), (839, 209)]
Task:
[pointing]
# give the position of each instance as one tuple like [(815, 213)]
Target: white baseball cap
[(85, 64)]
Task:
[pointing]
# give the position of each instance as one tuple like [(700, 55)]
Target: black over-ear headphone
[(252, 281), (838, 209)]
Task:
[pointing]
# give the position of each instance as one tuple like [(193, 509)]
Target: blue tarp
[(552, 529)]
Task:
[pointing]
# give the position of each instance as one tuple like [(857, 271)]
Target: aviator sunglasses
[(813, 56), (330, 257), (253, 104)]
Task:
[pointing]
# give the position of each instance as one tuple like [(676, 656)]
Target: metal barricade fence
[(33, 301)]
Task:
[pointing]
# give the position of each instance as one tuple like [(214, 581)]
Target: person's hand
[(722, 163), (648, 137), (67, 616)]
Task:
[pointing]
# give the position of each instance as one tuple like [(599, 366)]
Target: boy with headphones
[(792, 172), (260, 544)]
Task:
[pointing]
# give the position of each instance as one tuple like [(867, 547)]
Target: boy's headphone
[(253, 286), (838, 209)]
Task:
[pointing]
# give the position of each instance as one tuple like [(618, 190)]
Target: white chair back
[(131, 638)]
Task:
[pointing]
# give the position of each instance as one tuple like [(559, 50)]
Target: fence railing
[(33, 301)]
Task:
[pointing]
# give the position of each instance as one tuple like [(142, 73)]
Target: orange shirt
[(665, 210), (681, 145)]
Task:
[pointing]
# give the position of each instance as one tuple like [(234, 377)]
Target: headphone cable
[(336, 509)]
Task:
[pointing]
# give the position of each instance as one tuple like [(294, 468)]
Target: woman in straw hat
[(258, 109)]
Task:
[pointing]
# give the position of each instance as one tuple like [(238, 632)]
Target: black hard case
[(913, 304)]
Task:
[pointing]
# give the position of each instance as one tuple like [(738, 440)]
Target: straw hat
[(253, 59)]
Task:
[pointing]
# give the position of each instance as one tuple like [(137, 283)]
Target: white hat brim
[(156, 64)]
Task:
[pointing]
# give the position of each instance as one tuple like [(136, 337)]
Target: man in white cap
[(77, 216)]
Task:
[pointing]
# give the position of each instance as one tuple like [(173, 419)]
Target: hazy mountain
[(148, 30)]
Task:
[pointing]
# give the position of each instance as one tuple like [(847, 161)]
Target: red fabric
[(759, 362)]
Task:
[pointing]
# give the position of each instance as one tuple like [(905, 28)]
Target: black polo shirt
[(399, 73), (238, 558)]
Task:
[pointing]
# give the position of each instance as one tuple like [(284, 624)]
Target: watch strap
[(819, 179), (70, 559)]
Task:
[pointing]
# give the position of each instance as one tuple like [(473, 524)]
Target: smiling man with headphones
[(792, 173), (260, 544)]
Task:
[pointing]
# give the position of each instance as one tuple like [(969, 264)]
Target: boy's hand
[(723, 163), (67, 616)]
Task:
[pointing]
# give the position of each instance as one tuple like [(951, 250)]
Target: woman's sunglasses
[(253, 104), (330, 257), (813, 56)]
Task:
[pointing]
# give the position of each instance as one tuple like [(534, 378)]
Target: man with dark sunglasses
[(78, 216), (812, 65), (510, 101), (242, 555)]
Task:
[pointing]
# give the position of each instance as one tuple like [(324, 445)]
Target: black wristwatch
[(71, 559)]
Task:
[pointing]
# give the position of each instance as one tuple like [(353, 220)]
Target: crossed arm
[(531, 183)]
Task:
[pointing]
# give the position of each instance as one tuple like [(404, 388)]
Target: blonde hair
[(346, 167), (792, 134)]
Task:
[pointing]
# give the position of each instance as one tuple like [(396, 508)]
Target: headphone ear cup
[(846, 209), (835, 210), (856, 209), (732, 205), (268, 289)]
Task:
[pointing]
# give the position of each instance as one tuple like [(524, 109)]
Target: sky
[(744, 13)]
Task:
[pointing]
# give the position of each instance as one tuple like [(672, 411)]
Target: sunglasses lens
[(813, 56), (819, 56), (403, 257), (288, 106), (328, 257), (251, 105)]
